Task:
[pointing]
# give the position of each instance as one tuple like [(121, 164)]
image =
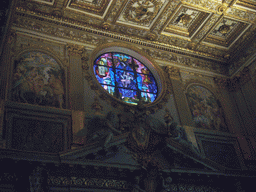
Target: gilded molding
[(207, 27), (92, 38), (209, 6), (158, 26), (242, 14), (185, 61), (221, 9), (116, 10)]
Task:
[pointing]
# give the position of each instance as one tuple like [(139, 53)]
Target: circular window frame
[(140, 56)]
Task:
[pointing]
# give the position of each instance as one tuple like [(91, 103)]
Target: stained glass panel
[(110, 89), (139, 67), (105, 59), (125, 79), (122, 61), (128, 96), (146, 83), (104, 75), (132, 79), (148, 97)]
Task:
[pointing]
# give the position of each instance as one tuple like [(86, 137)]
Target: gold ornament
[(224, 29)]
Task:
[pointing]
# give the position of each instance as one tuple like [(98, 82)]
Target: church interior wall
[(80, 94)]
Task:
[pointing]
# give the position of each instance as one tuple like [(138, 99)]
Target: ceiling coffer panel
[(226, 32), (185, 22), (141, 13)]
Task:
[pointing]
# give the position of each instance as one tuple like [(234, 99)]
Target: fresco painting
[(205, 108), (38, 79)]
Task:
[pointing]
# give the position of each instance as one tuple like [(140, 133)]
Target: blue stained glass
[(128, 96), (110, 89), (125, 79), (148, 97), (146, 83), (104, 75), (122, 61), (117, 71)]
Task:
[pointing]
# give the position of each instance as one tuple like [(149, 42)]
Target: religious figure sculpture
[(178, 133), (100, 128)]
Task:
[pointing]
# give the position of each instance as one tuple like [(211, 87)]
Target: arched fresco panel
[(205, 108), (38, 79)]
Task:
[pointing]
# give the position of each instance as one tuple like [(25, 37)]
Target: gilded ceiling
[(216, 30)]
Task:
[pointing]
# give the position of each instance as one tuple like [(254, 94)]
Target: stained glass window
[(125, 77)]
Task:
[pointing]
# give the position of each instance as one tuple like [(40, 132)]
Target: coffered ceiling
[(217, 30)]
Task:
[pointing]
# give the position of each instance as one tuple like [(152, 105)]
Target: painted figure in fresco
[(37, 79), (205, 109)]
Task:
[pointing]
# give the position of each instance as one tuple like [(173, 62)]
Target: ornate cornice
[(95, 27)]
